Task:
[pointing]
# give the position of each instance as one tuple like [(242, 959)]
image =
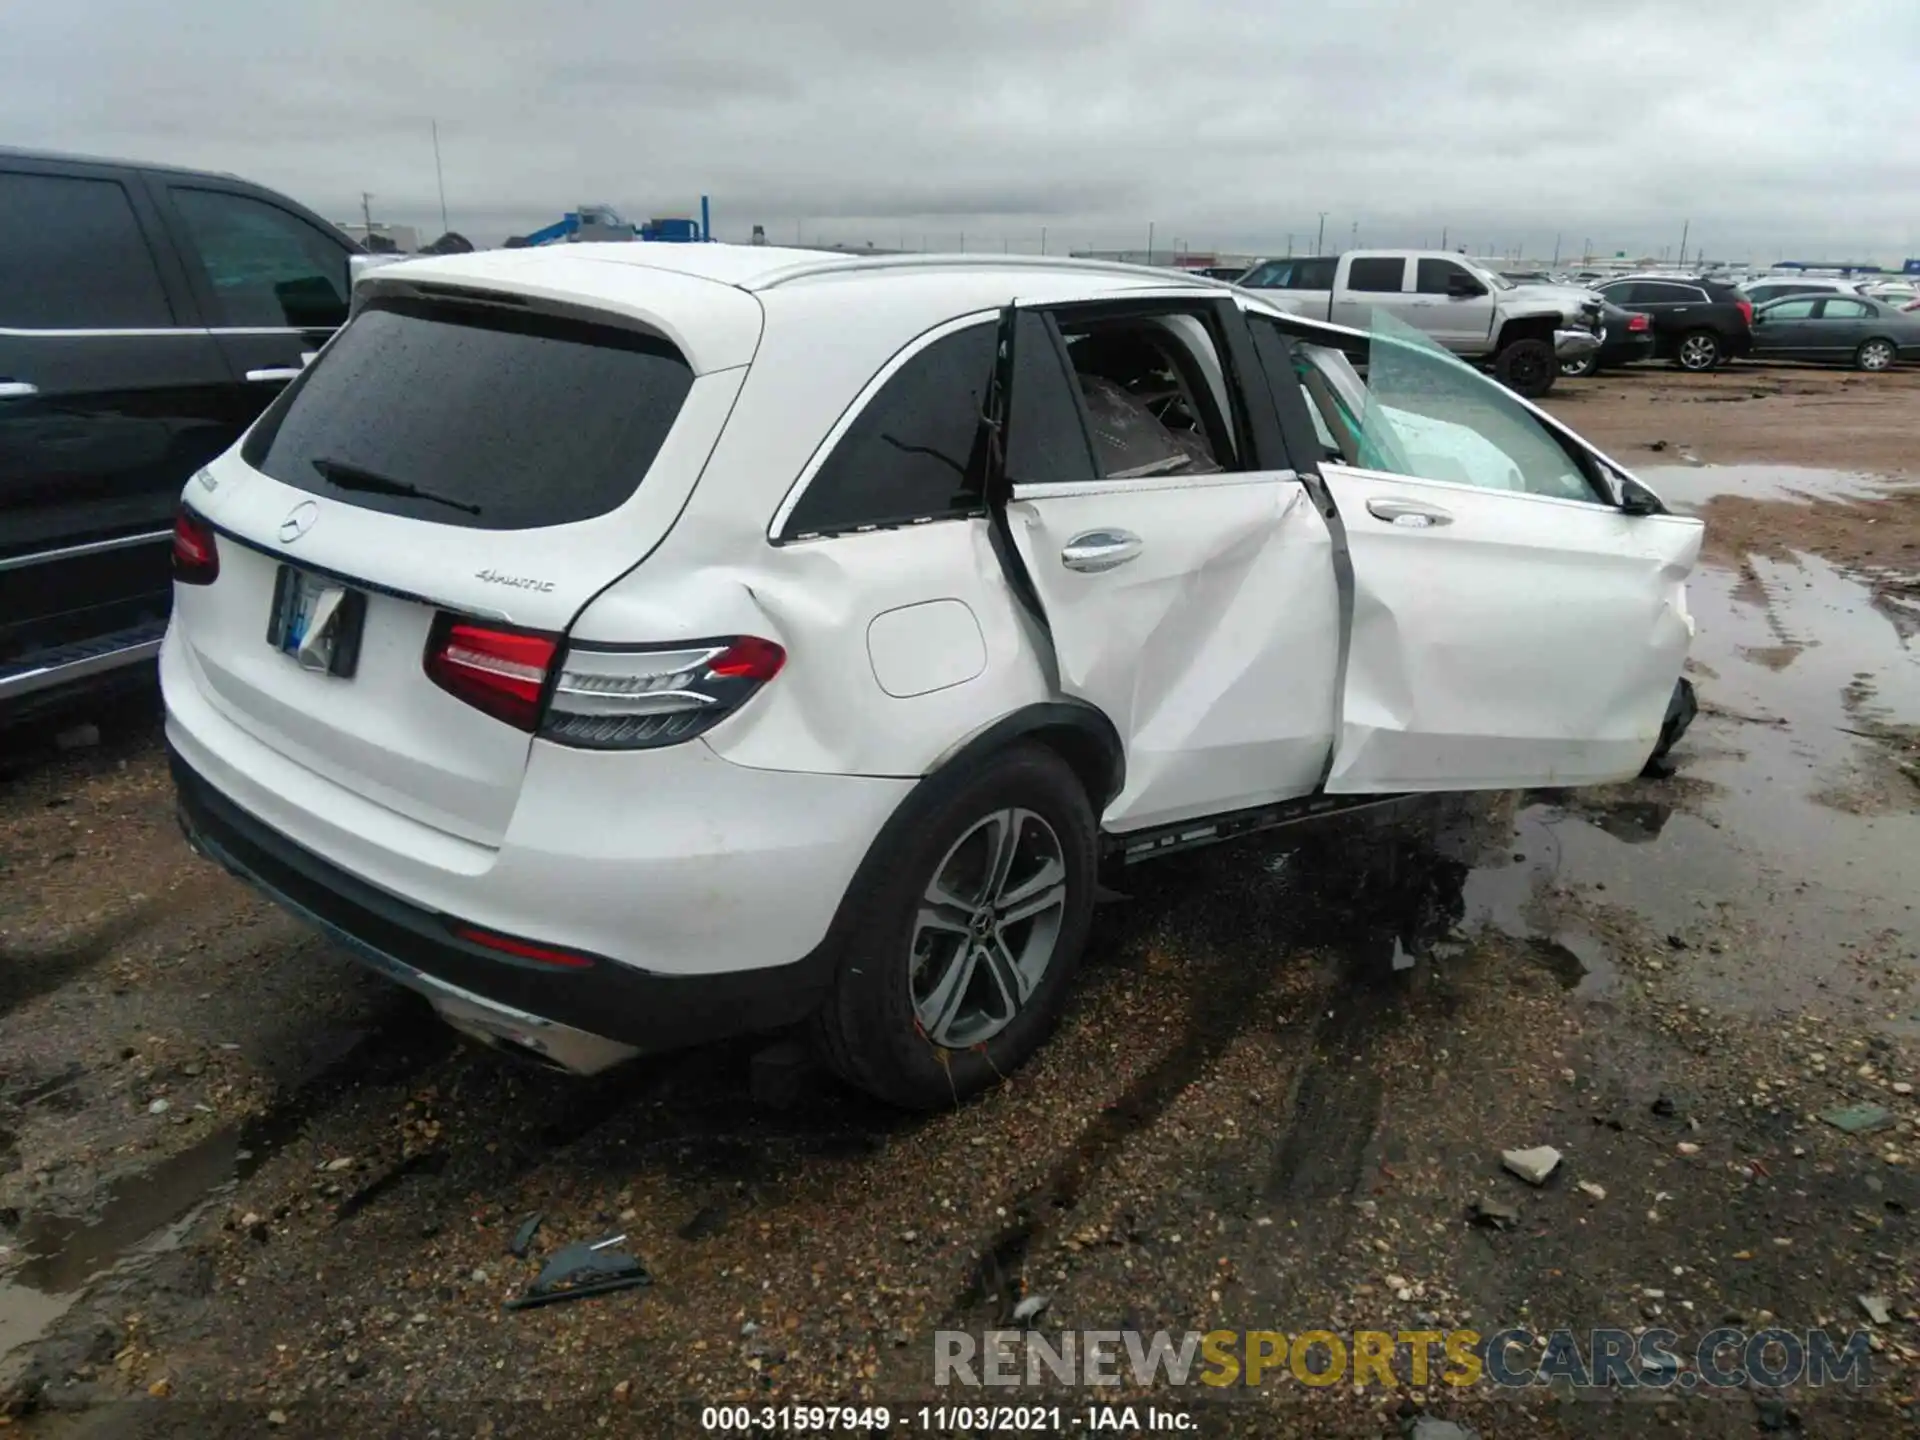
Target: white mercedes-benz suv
[(629, 644)]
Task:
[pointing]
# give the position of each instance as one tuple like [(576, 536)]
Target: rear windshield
[(475, 415)]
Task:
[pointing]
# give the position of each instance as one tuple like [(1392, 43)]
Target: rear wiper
[(351, 477)]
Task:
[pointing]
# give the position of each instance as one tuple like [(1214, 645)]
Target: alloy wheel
[(987, 927), (1698, 352), (1876, 355)]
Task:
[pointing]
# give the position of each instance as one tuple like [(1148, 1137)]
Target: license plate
[(316, 621)]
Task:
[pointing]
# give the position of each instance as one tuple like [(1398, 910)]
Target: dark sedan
[(1851, 329), (1626, 337)]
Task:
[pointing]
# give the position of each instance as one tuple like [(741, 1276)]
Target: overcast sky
[(1778, 129)]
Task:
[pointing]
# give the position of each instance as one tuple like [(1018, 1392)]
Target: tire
[(1527, 367), (1875, 354), (1699, 351), (917, 1016), (1580, 369)]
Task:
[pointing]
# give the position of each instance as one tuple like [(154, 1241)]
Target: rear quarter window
[(915, 451), (476, 415)]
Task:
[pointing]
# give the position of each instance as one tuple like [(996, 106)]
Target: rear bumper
[(1625, 351), (673, 862), (581, 1020)]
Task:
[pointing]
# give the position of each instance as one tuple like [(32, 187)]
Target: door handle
[(17, 390), (1412, 514), (274, 373), (1092, 551)]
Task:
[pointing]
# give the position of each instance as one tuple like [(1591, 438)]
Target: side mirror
[(1464, 287), (1636, 499)]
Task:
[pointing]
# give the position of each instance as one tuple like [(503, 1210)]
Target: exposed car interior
[(1152, 408)]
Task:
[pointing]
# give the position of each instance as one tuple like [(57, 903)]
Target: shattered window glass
[(1430, 415)]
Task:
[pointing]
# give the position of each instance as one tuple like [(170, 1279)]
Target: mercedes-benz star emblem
[(299, 520)]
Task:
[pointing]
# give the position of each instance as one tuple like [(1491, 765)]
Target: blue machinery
[(599, 222)]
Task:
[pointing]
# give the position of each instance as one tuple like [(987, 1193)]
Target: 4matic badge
[(518, 582)]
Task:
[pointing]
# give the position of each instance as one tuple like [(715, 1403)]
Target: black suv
[(1697, 324), (147, 315)]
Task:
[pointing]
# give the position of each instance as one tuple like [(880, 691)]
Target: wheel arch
[(1526, 327), (1080, 733)]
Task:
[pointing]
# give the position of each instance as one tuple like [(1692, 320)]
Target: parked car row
[(1698, 323), (1525, 334)]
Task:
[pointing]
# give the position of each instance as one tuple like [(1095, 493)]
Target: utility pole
[(1443, 237), (1320, 240), (1556, 251), (366, 210), (1149, 242), (1289, 245), (440, 179), (1684, 228), (1586, 255), (1355, 245)]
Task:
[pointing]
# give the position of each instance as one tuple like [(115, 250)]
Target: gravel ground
[(246, 1188)]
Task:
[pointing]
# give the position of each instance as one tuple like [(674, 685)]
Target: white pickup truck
[(1523, 332)]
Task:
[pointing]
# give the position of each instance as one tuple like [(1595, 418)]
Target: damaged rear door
[(1185, 577), (1513, 623)]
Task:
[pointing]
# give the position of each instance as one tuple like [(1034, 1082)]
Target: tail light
[(502, 672), (631, 699), (196, 555), (599, 697), (1639, 322), (1746, 311)]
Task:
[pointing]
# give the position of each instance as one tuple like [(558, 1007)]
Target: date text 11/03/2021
[(945, 1419)]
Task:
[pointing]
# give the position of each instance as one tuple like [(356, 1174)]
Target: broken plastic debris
[(580, 1270), (523, 1237), (1494, 1215)]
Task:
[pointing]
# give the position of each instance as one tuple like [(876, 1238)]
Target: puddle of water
[(141, 1215), (149, 1211), (26, 1315), (1687, 486)]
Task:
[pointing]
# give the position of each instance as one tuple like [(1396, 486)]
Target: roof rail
[(852, 264)]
